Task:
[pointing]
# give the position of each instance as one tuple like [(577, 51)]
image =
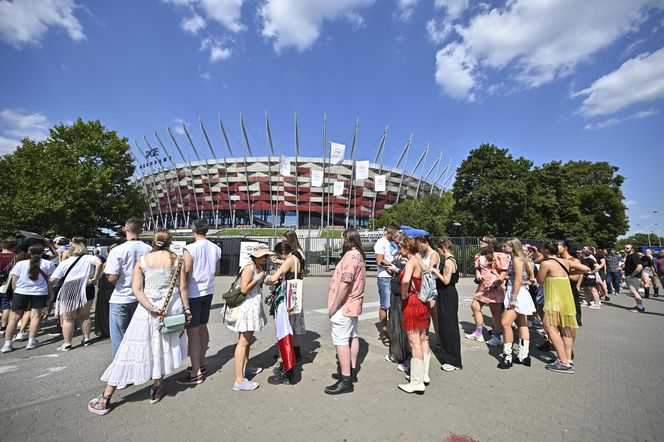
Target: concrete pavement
[(615, 393)]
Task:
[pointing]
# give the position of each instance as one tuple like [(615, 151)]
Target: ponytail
[(35, 253)]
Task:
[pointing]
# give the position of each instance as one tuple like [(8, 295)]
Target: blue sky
[(556, 80)]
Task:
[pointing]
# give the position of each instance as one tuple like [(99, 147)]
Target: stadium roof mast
[(435, 164), (246, 171), (145, 187), (268, 131), (215, 212), (297, 178), (185, 215), (442, 187), (154, 186), (163, 177), (326, 185), (433, 183), (380, 154), (426, 155), (191, 173), (228, 146), (405, 151), (352, 171), (207, 139)]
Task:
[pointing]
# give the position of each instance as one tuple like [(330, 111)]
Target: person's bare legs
[(25, 321), (67, 321), (204, 337), (476, 308), (83, 315), (557, 340), (242, 354), (496, 313), (382, 317), (354, 352), (194, 336), (344, 357), (14, 316), (35, 322), (433, 314), (415, 341)]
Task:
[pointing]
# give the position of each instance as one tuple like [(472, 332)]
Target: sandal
[(385, 340), (100, 405), (156, 394)]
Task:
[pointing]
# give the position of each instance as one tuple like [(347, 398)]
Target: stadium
[(343, 188)]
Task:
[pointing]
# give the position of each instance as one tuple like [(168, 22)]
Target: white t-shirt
[(121, 261), (85, 268), (25, 285), (388, 249), (205, 255)]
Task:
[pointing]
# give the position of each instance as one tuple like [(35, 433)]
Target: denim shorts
[(5, 301), (384, 289)]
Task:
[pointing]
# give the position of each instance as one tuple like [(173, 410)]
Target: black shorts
[(89, 292), (200, 310), (27, 302)]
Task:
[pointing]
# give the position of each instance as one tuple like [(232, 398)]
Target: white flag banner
[(338, 188), (316, 178), (284, 166), (337, 152), (361, 170), (379, 183)]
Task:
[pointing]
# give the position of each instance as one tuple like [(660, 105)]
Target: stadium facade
[(342, 188)]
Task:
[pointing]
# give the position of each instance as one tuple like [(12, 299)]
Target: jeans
[(119, 317), (613, 280), (384, 289)]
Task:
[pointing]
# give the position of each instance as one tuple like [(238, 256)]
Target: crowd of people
[(155, 304)]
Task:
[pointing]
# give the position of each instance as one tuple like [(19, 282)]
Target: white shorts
[(343, 328)]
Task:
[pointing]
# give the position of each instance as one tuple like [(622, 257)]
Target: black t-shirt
[(589, 262), (631, 263)]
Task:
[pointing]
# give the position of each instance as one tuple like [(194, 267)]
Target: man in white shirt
[(201, 259), (385, 249), (119, 269)]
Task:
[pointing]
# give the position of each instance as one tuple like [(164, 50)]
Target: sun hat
[(260, 250)]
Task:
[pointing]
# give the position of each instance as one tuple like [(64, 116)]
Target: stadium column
[(379, 157), (163, 177), (154, 185), (230, 205), (268, 131), (352, 171), (246, 171), (403, 153), (230, 151), (207, 173), (297, 176)]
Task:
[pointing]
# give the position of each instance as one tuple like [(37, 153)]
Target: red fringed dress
[(415, 312)]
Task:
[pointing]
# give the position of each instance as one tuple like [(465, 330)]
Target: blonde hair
[(517, 249), (78, 249), (162, 240)]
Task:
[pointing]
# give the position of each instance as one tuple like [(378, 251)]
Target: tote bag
[(294, 294)]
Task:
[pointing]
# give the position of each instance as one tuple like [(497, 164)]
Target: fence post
[(327, 253), (463, 256)]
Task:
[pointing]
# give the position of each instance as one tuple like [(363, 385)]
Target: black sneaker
[(280, 379), (506, 362)]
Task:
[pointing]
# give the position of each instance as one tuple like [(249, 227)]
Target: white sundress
[(145, 353), (248, 316)]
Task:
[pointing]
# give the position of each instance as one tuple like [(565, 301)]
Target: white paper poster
[(245, 249), (361, 170), (284, 166), (316, 178), (338, 188), (337, 152), (379, 183), (177, 247)]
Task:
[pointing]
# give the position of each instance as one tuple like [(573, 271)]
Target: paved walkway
[(614, 395)]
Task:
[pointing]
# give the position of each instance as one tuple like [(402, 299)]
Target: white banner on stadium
[(362, 170), (316, 178), (338, 188), (284, 166), (379, 183), (337, 152)]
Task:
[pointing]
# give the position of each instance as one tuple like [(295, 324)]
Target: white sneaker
[(494, 342), (21, 336), (64, 347), (448, 367), (245, 385), (404, 366), (32, 344), (474, 337), (7, 347)]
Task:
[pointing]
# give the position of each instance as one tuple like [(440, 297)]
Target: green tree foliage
[(75, 182), (580, 200), (432, 213), (492, 194), (639, 240)]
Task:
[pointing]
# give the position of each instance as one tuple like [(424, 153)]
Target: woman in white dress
[(518, 305), (248, 317), (78, 273), (145, 353)]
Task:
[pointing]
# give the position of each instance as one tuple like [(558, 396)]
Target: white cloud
[(176, 125), (438, 31), (25, 22), (630, 203), (226, 12), (217, 49), (298, 24), (454, 71), (193, 24), (638, 80), (406, 9), (539, 41), (613, 121), (17, 124), (205, 76), (454, 7)]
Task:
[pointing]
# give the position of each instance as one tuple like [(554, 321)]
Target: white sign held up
[(338, 188), (337, 152), (316, 178), (379, 183), (362, 170)]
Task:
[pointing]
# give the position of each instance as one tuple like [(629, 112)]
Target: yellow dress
[(559, 302)]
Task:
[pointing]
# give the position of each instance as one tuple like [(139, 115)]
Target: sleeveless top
[(157, 280), (512, 275), (454, 278)]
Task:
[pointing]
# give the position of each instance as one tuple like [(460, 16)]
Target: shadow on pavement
[(646, 312)]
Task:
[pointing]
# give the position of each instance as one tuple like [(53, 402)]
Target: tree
[(492, 193), (432, 213), (75, 182), (639, 240)]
